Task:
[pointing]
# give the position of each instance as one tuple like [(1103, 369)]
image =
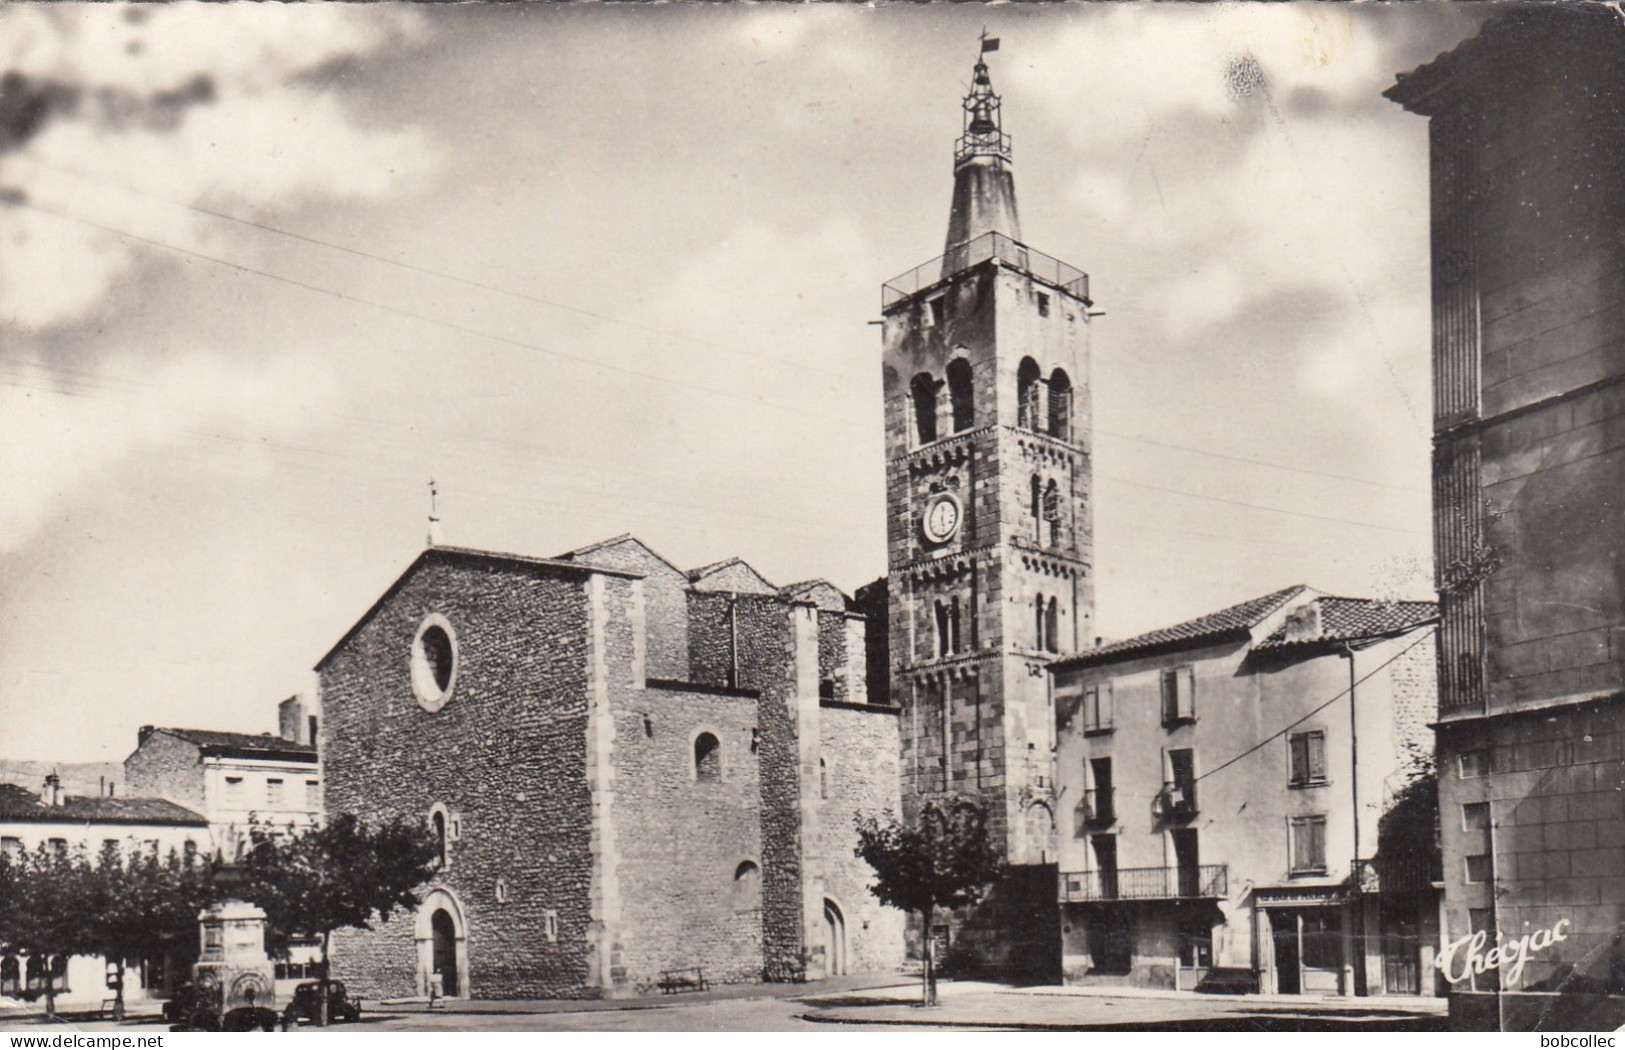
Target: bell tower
[(989, 535)]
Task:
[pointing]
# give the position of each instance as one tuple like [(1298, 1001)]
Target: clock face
[(941, 519)]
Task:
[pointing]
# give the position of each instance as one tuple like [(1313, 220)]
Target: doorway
[(835, 963), (445, 951)]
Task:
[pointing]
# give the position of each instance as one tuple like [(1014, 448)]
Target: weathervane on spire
[(982, 137)]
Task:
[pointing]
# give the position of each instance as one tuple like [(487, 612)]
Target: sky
[(266, 270)]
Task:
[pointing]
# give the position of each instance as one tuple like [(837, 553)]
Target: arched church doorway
[(835, 962), (442, 943), (445, 950)]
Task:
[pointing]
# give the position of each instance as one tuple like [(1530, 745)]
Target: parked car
[(306, 997)]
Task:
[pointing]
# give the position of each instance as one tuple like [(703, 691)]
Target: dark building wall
[(506, 755), (1527, 167), (166, 766), (871, 601), (681, 840)]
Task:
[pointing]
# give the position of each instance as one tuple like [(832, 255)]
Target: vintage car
[(306, 997)]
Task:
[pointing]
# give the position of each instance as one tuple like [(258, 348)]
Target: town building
[(236, 780), (49, 818), (1528, 281), (985, 373), (637, 774), (1234, 789)]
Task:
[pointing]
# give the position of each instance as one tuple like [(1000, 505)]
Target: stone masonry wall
[(861, 778), (165, 766), (682, 841), (710, 639), (833, 680), (665, 598), (506, 755)]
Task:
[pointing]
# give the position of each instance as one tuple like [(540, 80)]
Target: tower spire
[(984, 187)]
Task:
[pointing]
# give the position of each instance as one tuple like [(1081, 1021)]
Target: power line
[(429, 271), (554, 304), (17, 202), (1318, 709), (1260, 506), (1261, 462)]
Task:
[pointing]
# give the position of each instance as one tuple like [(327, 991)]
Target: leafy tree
[(340, 874), (49, 913), (144, 906), (944, 859)]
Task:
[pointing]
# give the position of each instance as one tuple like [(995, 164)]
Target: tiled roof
[(1346, 619), (20, 804), (1242, 617), (215, 740), (706, 570)]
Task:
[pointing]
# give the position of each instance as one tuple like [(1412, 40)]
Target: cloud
[(202, 104), (55, 438)]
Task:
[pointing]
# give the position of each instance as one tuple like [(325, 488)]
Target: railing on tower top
[(1007, 250)]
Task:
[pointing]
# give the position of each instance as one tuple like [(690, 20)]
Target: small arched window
[(1038, 508), (1052, 512), (1038, 622), (943, 629), (953, 625), (1029, 382), (747, 886), (1052, 628), (823, 779), (438, 820), (1060, 405), (707, 757), (923, 391), (960, 394)]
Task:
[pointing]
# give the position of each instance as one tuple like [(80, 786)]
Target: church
[(641, 775)]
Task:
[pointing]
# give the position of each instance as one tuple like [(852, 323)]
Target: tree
[(340, 874), (49, 914), (144, 906), (944, 859)]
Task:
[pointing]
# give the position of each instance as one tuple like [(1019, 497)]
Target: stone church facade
[(633, 770)]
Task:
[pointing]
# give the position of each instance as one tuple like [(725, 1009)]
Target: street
[(967, 1005)]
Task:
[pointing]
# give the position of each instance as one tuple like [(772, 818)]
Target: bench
[(690, 980)]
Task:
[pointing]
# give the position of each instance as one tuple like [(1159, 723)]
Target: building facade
[(986, 382), (1528, 281), (635, 772), (53, 820), (236, 780), (1232, 788)]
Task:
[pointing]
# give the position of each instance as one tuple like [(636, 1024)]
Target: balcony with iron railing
[(1392, 875), (996, 246), (1190, 882)]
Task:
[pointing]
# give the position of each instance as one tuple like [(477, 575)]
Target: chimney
[(290, 720), (51, 793), (142, 734), (1303, 624)]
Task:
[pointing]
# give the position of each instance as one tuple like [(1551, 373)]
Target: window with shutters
[(1178, 695), (1180, 783), (1098, 794), (1097, 708), (1307, 751), (273, 793), (1307, 844)]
